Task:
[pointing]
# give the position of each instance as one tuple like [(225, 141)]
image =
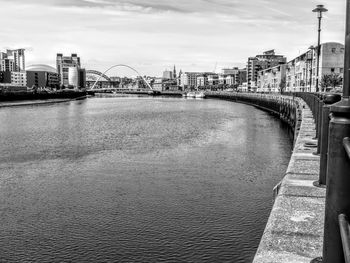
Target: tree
[(331, 80), (282, 84)]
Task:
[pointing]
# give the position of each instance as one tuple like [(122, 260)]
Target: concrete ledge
[(294, 231)]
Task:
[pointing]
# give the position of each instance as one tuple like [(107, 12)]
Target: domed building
[(42, 76)]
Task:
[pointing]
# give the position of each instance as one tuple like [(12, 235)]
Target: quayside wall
[(294, 231), (64, 94)]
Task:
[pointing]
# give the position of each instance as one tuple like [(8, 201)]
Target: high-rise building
[(12, 66), (6, 64), (68, 68), (12, 60), (260, 62), (18, 59)]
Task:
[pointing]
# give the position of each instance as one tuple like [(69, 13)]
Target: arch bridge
[(98, 74), (103, 75)]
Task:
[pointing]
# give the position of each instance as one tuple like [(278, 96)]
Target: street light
[(319, 10)]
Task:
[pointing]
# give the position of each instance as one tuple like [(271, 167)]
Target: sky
[(155, 35)]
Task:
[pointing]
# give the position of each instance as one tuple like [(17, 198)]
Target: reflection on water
[(137, 180)]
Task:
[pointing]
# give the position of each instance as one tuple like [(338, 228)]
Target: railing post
[(323, 139), (319, 122), (338, 171)]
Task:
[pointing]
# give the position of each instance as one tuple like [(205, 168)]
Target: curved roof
[(41, 67)]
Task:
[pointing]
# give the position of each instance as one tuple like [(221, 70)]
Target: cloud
[(155, 34)]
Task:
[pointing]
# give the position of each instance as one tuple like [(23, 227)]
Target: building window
[(332, 70), (333, 50), (341, 70)]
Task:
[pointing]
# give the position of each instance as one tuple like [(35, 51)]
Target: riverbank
[(29, 95), (12, 99)]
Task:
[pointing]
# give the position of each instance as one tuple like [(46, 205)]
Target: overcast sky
[(153, 35)]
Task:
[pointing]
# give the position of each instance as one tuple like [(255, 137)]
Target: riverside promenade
[(294, 231)]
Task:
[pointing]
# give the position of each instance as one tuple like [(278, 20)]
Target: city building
[(260, 62), (301, 71), (168, 74), (6, 64), (18, 59), (69, 69), (158, 84), (5, 76), (19, 78), (12, 60), (42, 76), (189, 79), (213, 79), (272, 79), (202, 80)]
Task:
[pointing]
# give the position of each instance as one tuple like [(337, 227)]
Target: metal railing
[(331, 113), (345, 235), (343, 220)]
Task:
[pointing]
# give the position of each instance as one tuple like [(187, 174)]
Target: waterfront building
[(222, 79), (82, 78), (6, 64), (18, 59), (189, 79), (202, 80), (230, 80), (301, 71), (213, 79), (272, 79), (69, 69), (168, 74), (232, 76), (229, 71), (12, 60), (174, 73), (42, 76), (242, 76), (19, 78), (158, 84), (260, 62), (5, 77)]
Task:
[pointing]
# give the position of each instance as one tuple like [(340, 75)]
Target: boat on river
[(195, 94)]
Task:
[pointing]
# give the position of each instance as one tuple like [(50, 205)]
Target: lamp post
[(319, 10)]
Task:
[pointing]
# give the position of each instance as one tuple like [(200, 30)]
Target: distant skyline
[(153, 35)]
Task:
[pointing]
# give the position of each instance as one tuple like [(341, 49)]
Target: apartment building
[(301, 71), (260, 62), (272, 79)]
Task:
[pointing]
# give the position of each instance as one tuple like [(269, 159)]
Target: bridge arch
[(98, 73), (126, 66)]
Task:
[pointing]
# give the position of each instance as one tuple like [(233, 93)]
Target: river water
[(137, 180)]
